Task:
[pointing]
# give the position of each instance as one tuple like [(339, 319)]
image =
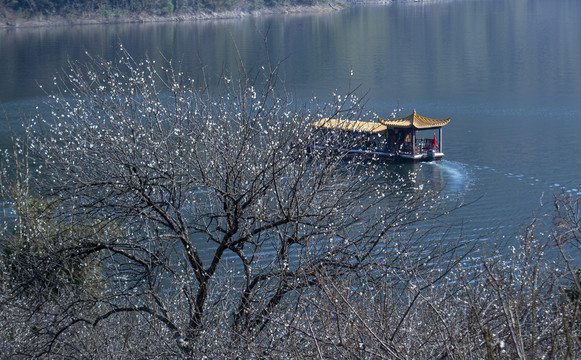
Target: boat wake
[(453, 178)]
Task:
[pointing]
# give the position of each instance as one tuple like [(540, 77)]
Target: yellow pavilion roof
[(414, 121), (347, 125)]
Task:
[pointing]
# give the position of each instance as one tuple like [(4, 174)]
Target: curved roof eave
[(348, 125), (415, 121)]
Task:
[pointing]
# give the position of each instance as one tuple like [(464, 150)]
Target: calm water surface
[(508, 73)]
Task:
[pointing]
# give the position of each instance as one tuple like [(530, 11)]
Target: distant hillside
[(21, 10), (21, 13)]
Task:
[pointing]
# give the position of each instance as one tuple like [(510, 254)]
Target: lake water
[(508, 73)]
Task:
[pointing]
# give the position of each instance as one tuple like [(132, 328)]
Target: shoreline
[(9, 21)]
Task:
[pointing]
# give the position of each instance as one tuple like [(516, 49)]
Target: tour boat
[(398, 139)]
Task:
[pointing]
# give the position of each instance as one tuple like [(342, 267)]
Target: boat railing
[(425, 145)]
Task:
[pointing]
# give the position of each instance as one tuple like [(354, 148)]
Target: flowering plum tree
[(208, 207), (164, 217)]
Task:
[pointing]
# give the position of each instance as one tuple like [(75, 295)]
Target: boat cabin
[(407, 139)]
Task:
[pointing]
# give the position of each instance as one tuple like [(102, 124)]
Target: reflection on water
[(450, 178)]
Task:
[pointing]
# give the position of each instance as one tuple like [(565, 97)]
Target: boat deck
[(382, 155)]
